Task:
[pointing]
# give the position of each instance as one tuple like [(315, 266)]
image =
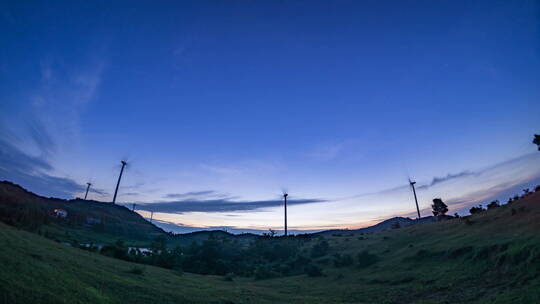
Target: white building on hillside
[(60, 213)]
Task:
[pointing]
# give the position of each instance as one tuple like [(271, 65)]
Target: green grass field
[(492, 257)]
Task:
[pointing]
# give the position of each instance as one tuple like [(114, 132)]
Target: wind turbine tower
[(415, 198), (87, 188), (285, 204), (124, 163)]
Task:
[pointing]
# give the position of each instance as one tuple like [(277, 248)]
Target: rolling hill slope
[(86, 221), (384, 225)]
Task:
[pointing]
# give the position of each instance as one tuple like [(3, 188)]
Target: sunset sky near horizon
[(220, 105)]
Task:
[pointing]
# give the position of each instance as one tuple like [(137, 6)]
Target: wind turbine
[(415, 198), (285, 204), (124, 163), (87, 188)]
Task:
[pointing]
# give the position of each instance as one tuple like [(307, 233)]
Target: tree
[(366, 259), (536, 140), (313, 270), (271, 233), (320, 249), (493, 204), (343, 260), (439, 207), (159, 244), (475, 210)]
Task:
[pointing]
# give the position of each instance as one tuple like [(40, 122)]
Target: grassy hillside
[(24, 209), (491, 257), (37, 270)]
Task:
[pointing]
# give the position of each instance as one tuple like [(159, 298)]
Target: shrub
[(313, 271), (118, 250), (342, 260), (229, 277), (262, 272), (284, 269), (138, 270), (459, 251), (300, 261), (324, 261), (493, 205), (320, 249), (366, 259), (475, 210)]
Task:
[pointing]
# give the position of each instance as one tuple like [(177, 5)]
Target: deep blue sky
[(227, 101)]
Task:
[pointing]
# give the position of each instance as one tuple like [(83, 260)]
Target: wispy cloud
[(190, 194), (493, 170), (62, 96), (327, 152), (245, 168), (131, 194), (219, 205), (99, 192), (199, 195), (41, 137), (48, 125), (33, 172), (499, 181), (438, 180), (137, 185)]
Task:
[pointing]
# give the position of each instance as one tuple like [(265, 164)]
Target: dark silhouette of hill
[(24, 209), (382, 226)]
